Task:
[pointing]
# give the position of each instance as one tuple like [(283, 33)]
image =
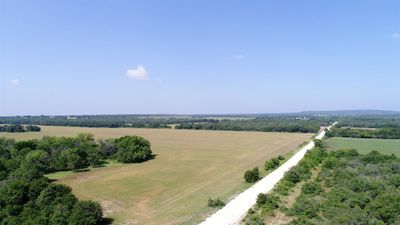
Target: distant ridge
[(357, 112), (362, 112)]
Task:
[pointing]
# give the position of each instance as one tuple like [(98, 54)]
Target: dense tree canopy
[(28, 197), (382, 133)]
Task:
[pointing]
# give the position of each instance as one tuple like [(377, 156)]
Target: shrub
[(311, 188), (271, 164), (305, 207), (293, 176), (301, 221), (319, 143), (281, 157), (252, 176), (255, 220), (330, 163), (215, 203), (374, 157), (268, 201), (386, 207), (283, 187)]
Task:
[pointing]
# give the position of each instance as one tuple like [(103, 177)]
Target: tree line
[(110, 121), (381, 133), (28, 197), (259, 124), (378, 121), (277, 123), (14, 128)]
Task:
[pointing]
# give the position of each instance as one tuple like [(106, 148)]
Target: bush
[(301, 221), (311, 188), (305, 207), (252, 176), (283, 187), (255, 220), (293, 176), (268, 201), (215, 203), (271, 164), (319, 144)]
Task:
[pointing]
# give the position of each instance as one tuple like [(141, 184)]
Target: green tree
[(39, 159), (132, 149), (271, 164), (251, 176), (86, 213)]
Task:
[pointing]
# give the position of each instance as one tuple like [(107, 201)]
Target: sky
[(186, 57)]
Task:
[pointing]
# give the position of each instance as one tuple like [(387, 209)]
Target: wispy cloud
[(396, 35), (238, 56), (14, 82), (139, 73)]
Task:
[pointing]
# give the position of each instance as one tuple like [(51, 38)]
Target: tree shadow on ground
[(106, 221), (81, 170)]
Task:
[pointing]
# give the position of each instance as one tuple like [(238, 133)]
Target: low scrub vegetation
[(347, 188)]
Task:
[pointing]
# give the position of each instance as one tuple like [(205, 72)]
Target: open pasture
[(190, 167), (365, 145)]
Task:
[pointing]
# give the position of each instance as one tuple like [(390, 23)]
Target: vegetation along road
[(232, 212)]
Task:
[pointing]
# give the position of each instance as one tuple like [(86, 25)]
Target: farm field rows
[(190, 167), (364, 145)]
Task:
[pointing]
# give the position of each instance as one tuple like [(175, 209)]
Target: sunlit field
[(190, 166), (364, 145)]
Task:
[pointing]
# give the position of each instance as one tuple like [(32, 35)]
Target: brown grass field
[(190, 167)]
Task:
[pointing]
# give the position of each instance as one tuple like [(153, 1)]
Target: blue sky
[(110, 57)]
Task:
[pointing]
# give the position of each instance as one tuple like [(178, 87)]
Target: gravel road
[(237, 208)]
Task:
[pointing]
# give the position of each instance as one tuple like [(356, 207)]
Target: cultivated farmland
[(190, 167), (365, 145)]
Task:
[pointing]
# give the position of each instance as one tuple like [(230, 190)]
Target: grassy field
[(190, 167), (363, 145)]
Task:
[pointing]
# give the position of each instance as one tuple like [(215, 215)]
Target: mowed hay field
[(365, 145), (173, 188)]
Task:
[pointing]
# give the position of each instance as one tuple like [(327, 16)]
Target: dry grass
[(190, 167)]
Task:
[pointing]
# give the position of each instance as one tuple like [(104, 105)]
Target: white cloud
[(139, 73), (14, 82), (396, 35), (237, 56)]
